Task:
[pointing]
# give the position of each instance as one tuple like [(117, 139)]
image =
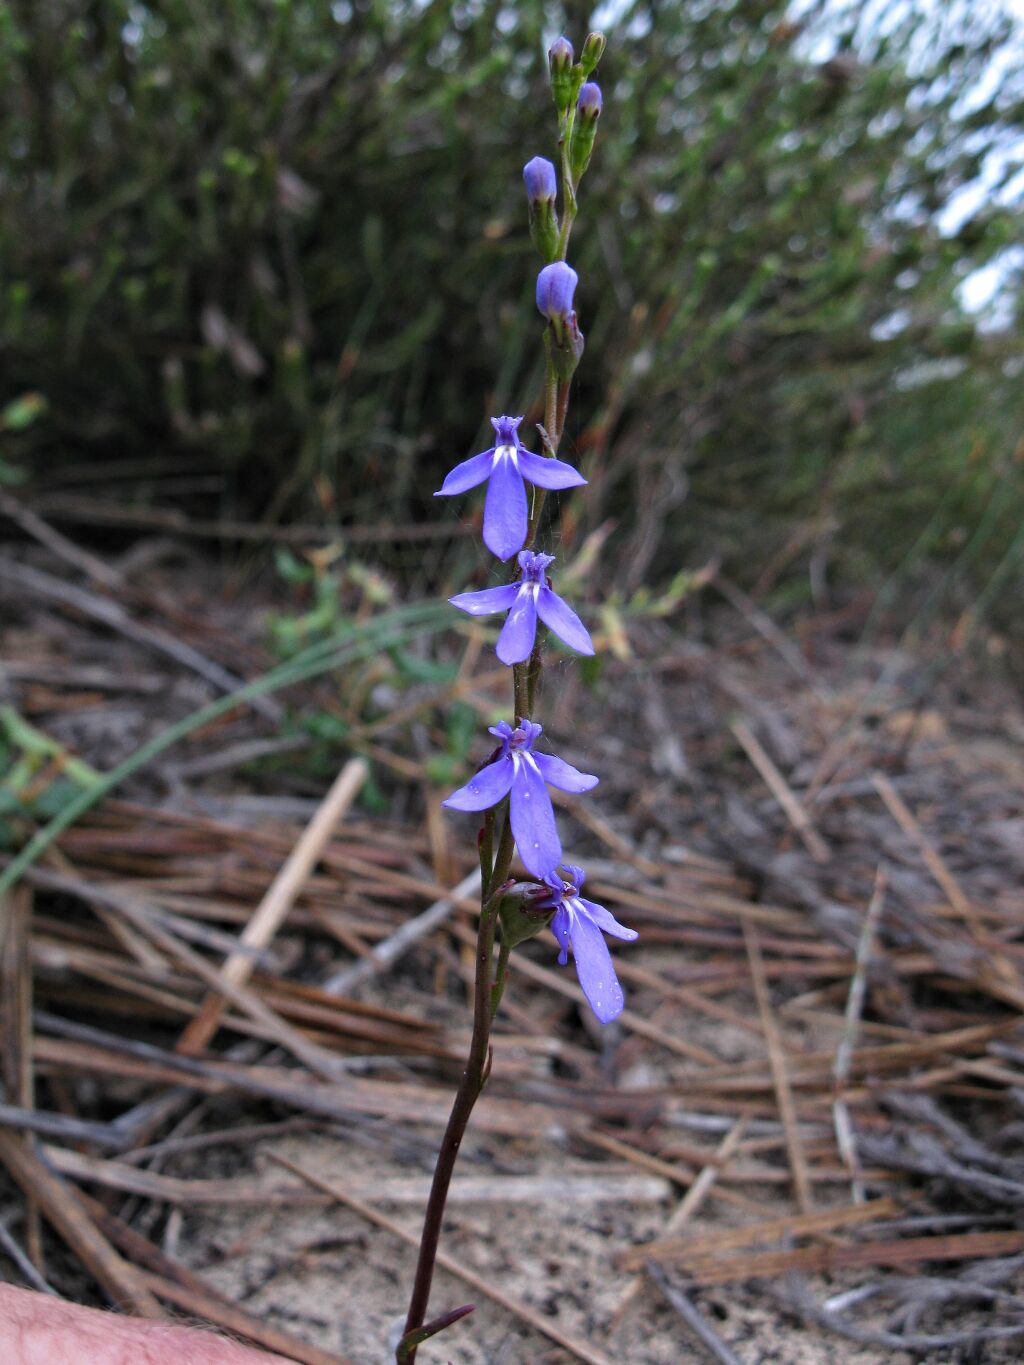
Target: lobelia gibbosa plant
[(510, 788)]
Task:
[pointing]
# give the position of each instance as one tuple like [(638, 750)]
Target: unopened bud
[(556, 287), (588, 106), (588, 111), (560, 60), (541, 188), (593, 50), (539, 178), (524, 911)]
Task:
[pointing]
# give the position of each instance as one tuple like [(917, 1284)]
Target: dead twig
[(686, 1210), (281, 896), (783, 793), (826, 1259), (683, 1250), (694, 1319), (61, 1207), (845, 1136), (114, 617), (936, 865), (385, 954), (780, 1076)]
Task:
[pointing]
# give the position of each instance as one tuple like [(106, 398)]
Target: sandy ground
[(328, 1276)]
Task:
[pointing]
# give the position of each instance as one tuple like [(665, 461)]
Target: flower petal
[(606, 921), (505, 510), (563, 775), (574, 874), (549, 473), (595, 969), (487, 601), (467, 475), (533, 821), (560, 929), (484, 789), (561, 618), (520, 630)]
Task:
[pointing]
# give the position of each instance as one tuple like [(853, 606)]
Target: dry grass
[(818, 1080)]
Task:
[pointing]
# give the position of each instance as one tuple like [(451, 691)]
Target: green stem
[(551, 403), (503, 858), (568, 188), (500, 975), (487, 851)]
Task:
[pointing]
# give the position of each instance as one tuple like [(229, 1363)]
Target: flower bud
[(539, 178), (588, 106), (556, 285), (541, 188), (593, 50), (588, 111), (560, 60), (524, 911)]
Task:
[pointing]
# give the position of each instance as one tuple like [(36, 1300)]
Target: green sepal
[(580, 147), (544, 231), (593, 51), (566, 351), (563, 75), (519, 915)]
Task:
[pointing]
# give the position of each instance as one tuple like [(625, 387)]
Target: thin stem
[(487, 851), (503, 858), (562, 412), (520, 694), (568, 188), (551, 404), (533, 671), (555, 404), (470, 1086), (501, 972)]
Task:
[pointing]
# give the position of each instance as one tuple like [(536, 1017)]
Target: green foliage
[(290, 239), (325, 658), (38, 776), (17, 416)]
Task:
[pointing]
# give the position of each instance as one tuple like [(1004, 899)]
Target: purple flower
[(507, 464), (525, 601), (520, 774), (556, 285), (581, 925), (539, 178), (588, 106)]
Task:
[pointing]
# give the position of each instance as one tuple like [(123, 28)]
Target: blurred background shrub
[(284, 242)]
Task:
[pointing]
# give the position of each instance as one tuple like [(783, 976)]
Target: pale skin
[(36, 1329)]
